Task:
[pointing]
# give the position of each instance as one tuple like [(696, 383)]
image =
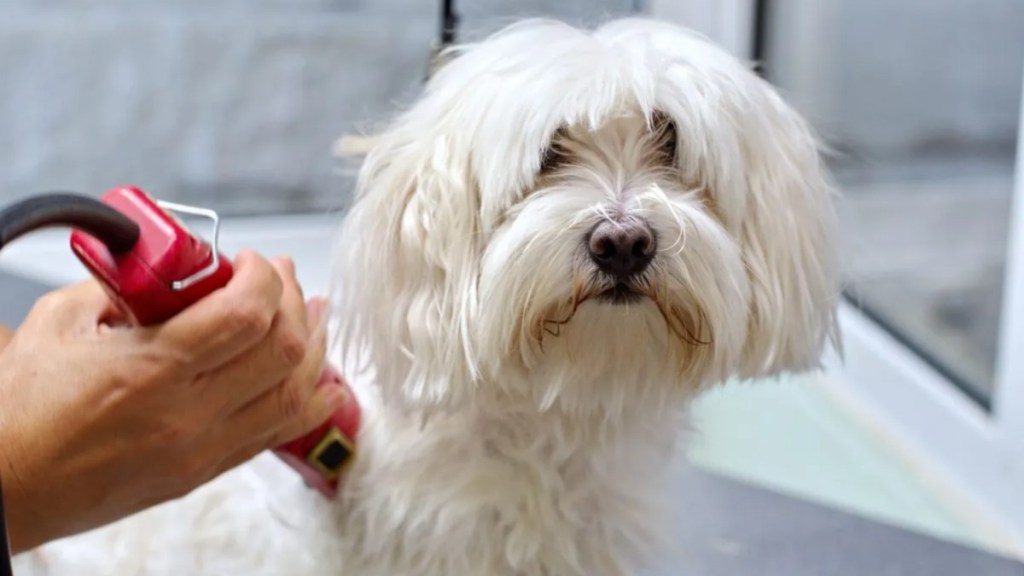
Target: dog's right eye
[(549, 161)]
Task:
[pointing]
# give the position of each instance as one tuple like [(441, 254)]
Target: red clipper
[(167, 270)]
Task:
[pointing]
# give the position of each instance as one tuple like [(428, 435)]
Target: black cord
[(115, 230), (6, 567)]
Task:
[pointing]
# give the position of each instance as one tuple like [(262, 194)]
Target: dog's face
[(591, 215)]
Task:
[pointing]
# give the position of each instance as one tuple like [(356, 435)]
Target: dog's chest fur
[(505, 492)]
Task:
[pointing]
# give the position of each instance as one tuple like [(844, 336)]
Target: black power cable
[(89, 215), (6, 569)]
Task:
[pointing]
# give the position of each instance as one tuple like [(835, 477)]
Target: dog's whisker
[(579, 296)]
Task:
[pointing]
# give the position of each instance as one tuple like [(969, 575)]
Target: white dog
[(568, 236)]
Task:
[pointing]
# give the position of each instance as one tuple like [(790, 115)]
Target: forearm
[(18, 529), (23, 530)]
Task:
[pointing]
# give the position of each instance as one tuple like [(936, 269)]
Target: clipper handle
[(164, 272)]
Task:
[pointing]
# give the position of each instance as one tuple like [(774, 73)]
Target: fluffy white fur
[(518, 422)]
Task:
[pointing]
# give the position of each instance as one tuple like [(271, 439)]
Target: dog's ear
[(406, 267), (787, 233)]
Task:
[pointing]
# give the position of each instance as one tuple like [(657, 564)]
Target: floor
[(797, 437)]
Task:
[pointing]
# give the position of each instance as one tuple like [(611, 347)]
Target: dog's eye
[(666, 137), (670, 141), (554, 158)]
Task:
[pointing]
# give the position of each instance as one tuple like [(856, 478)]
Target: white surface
[(938, 428)]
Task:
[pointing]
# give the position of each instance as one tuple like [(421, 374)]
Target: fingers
[(288, 401), (286, 349), (260, 427), (228, 321)]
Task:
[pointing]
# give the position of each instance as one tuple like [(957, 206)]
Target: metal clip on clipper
[(152, 267)]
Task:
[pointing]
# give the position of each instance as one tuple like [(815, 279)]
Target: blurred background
[(235, 104), (921, 102)]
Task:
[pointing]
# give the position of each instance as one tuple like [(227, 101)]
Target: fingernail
[(286, 263), (329, 376), (316, 308), (316, 304)]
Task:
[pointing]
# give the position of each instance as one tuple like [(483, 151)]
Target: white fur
[(515, 423)]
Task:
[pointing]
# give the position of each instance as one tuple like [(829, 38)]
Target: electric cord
[(6, 569), (118, 232)]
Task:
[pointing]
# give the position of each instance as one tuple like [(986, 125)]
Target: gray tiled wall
[(229, 103)]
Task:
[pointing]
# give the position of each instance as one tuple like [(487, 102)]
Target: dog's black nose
[(621, 248)]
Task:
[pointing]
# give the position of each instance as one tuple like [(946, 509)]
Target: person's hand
[(99, 420)]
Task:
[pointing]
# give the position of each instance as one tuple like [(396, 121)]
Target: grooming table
[(730, 528)]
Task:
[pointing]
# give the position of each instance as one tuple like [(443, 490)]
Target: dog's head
[(595, 210)]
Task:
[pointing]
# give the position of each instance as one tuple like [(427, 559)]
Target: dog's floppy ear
[(787, 234), (405, 267)]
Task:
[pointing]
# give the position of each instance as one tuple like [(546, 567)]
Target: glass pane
[(920, 102), (230, 104)]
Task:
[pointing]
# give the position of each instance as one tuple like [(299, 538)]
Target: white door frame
[(977, 455)]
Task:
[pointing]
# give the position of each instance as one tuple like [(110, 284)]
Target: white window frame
[(983, 451)]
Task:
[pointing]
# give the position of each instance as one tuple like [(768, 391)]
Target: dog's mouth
[(690, 326), (620, 293)]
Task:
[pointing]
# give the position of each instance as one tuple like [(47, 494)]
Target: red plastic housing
[(323, 456), (141, 283)]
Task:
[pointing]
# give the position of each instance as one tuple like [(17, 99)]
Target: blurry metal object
[(439, 55)]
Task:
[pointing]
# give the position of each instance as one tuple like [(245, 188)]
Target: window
[(921, 106)]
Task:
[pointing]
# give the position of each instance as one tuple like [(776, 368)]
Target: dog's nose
[(621, 248)]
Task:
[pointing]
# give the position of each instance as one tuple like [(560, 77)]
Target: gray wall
[(227, 103), (905, 81), (235, 103)]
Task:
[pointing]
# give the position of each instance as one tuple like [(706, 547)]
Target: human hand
[(100, 420)]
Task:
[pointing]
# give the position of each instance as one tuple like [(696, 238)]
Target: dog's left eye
[(554, 157)]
